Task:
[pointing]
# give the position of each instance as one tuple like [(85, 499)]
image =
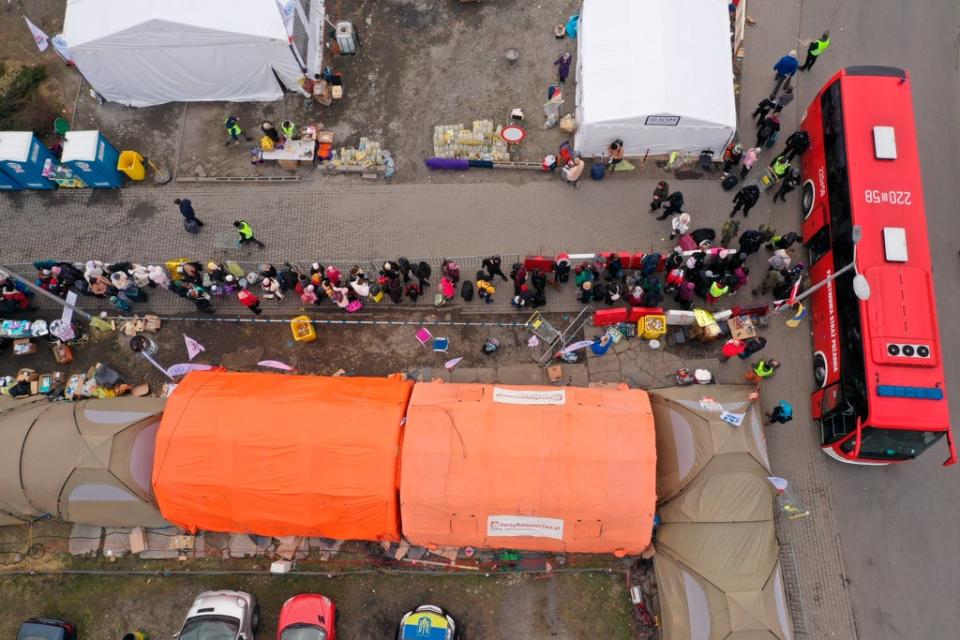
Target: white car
[(221, 615)]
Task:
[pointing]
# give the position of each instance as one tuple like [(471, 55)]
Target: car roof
[(41, 630)]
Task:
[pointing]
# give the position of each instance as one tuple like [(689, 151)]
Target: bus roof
[(886, 199)]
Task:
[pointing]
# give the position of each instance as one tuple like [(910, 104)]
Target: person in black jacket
[(797, 143), (422, 272), (745, 199), (674, 205), (492, 265), (750, 241)]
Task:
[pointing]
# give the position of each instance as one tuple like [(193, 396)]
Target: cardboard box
[(27, 375), (281, 566), (62, 353), (23, 347), (742, 328), (555, 372)]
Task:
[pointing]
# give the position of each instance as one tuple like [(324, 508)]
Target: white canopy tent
[(656, 74), (155, 51)]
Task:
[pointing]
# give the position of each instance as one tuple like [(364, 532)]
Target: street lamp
[(861, 286)]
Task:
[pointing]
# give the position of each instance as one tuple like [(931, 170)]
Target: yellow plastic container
[(131, 163), (652, 327), (302, 329)]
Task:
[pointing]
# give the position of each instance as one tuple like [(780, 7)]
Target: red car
[(308, 616)]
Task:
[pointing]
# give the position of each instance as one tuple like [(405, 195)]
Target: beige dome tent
[(87, 462), (717, 563)]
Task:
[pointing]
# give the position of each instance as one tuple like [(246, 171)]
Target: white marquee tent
[(656, 74), (155, 51)]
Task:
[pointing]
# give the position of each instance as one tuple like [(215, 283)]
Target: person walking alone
[(563, 67), (781, 414), (785, 69), (746, 197), (815, 49), (232, 125), (186, 210), (245, 234)]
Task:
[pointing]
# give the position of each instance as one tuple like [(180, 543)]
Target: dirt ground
[(375, 350), (57, 95), (421, 63), (558, 606)]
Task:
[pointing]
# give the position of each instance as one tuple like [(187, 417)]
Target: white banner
[(286, 11), (38, 36), (529, 526), (517, 396), (60, 44)]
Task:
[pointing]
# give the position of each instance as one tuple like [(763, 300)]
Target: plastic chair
[(440, 345)]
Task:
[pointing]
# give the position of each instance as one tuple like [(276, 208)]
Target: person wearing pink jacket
[(749, 158)]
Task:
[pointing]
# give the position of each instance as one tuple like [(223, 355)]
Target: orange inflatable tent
[(539, 468), (280, 455)]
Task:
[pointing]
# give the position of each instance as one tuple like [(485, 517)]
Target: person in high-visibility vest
[(245, 234), (814, 50), (232, 125), (780, 166), (762, 369), (289, 129), (718, 289)]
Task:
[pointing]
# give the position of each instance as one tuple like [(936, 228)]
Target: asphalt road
[(899, 525)]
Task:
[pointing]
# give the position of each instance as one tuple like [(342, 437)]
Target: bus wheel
[(808, 195), (819, 369)]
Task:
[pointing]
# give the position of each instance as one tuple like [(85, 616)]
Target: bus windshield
[(893, 444)]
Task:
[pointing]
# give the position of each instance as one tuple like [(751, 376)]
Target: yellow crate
[(652, 327), (302, 329)]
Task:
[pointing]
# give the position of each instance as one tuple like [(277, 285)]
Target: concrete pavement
[(898, 525)]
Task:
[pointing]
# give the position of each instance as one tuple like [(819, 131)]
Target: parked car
[(427, 622), (221, 615), (308, 616), (47, 629)]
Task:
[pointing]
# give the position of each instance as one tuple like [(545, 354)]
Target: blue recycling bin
[(92, 159), (21, 159), (7, 183)]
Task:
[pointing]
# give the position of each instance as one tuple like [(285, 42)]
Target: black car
[(47, 629)]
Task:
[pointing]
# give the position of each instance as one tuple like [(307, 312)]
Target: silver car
[(221, 615)]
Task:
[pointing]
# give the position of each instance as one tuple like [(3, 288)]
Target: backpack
[(729, 182), (466, 290), (191, 226)]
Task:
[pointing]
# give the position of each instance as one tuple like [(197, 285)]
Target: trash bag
[(490, 346)]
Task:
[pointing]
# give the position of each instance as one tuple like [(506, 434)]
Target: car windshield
[(210, 628), (33, 631), (303, 632), (895, 444)]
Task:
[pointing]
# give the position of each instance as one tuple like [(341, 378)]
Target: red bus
[(881, 395)]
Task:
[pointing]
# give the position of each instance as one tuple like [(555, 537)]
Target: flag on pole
[(286, 11), (793, 292), (38, 36), (60, 44), (194, 348)]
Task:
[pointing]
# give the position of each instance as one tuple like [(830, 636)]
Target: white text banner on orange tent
[(518, 396), (529, 526)]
